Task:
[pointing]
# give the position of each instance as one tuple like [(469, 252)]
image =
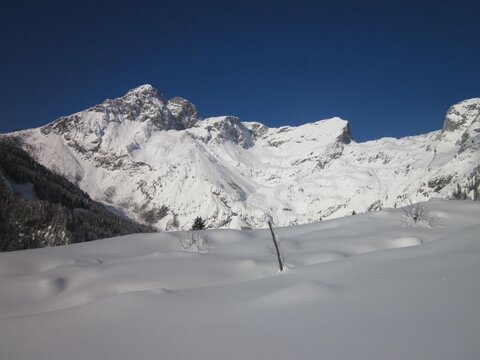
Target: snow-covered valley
[(361, 287), (158, 162)]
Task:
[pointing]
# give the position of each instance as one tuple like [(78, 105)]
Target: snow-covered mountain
[(157, 161)]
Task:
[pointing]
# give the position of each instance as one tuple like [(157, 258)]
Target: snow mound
[(362, 287)]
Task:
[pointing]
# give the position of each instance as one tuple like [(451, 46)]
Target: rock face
[(462, 116), (462, 124), (144, 104), (184, 113), (158, 162)]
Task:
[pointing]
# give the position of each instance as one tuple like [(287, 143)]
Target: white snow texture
[(140, 152), (362, 287)]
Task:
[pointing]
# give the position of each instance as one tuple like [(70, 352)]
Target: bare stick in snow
[(277, 248)]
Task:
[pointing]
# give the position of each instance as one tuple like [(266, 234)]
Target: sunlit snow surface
[(361, 287), (131, 154)]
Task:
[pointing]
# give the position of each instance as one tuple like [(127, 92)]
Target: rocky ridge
[(159, 162)]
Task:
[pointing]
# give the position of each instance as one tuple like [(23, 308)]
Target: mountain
[(158, 162), (40, 208)]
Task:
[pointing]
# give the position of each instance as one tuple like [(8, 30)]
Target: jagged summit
[(159, 162), (184, 112), (144, 89), (143, 104), (462, 124), (230, 129), (141, 96), (462, 115)]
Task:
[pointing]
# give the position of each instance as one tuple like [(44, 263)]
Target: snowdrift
[(362, 287)]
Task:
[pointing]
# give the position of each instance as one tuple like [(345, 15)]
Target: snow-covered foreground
[(362, 287)]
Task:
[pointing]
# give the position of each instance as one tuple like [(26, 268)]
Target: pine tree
[(198, 224)]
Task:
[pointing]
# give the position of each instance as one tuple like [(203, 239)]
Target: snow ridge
[(158, 161)]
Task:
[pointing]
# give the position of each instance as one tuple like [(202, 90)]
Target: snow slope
[(140, 152), (362, 287)]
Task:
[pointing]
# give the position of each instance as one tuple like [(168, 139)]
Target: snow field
[(360, 287)]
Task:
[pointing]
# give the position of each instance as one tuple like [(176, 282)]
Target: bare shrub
[(417, 214), (195, 241)]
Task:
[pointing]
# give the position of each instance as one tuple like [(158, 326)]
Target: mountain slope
[(40, 208), (158, 162)]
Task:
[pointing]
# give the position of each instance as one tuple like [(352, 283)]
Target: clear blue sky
[(392, 68)]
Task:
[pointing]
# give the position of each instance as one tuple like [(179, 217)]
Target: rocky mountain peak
[(184, 112), (221, 129), (462, 123), (462, 115), (345, 136), (143, 104), (143, 90)]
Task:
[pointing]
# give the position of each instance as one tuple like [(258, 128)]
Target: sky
[(392, 68)]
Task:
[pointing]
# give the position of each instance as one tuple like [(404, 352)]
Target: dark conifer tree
[(198, 224)]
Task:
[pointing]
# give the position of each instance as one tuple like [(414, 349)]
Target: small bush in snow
[(195, 240), (417, 214)]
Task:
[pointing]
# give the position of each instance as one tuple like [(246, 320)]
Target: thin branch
[(277, 249)]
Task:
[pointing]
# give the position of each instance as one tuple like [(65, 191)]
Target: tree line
[(59, 214)]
